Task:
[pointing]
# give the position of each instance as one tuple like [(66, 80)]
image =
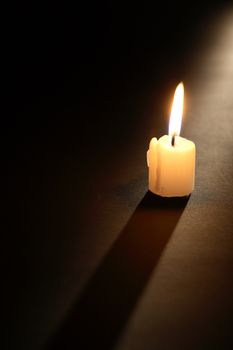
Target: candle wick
[(173, 140)]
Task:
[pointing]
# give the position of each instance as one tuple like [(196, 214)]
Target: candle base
[(154, 201), (170, 196)]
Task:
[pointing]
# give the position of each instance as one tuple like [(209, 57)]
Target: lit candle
[(171, 159)]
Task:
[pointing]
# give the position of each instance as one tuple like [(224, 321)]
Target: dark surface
[(113, 291), (86, 259)]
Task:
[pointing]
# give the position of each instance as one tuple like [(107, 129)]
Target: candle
[(171, 159)]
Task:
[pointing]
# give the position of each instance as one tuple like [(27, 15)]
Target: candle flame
[(177, 111)]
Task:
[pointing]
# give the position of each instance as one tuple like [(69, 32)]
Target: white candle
[(171, 159)]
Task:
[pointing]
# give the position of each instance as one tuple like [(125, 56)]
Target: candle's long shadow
[(101, 312)]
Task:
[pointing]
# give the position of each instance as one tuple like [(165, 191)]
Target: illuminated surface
[(191, 288)]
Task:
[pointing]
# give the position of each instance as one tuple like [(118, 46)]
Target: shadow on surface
[(105, 305)]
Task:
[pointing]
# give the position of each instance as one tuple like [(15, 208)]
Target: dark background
[(84, 90)]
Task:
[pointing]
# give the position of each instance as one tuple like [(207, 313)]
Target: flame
[(177, 111)]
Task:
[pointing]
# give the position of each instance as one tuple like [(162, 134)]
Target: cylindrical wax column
[(171, 168), (175, 167), (152, 164)]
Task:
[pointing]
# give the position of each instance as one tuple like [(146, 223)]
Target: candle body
[(171, 168)]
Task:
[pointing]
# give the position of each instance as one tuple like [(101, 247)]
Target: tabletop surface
[(94, 259)]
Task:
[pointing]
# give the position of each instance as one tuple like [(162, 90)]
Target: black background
[(84, 88)]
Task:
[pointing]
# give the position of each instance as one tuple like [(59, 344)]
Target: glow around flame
[(177, 111)]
